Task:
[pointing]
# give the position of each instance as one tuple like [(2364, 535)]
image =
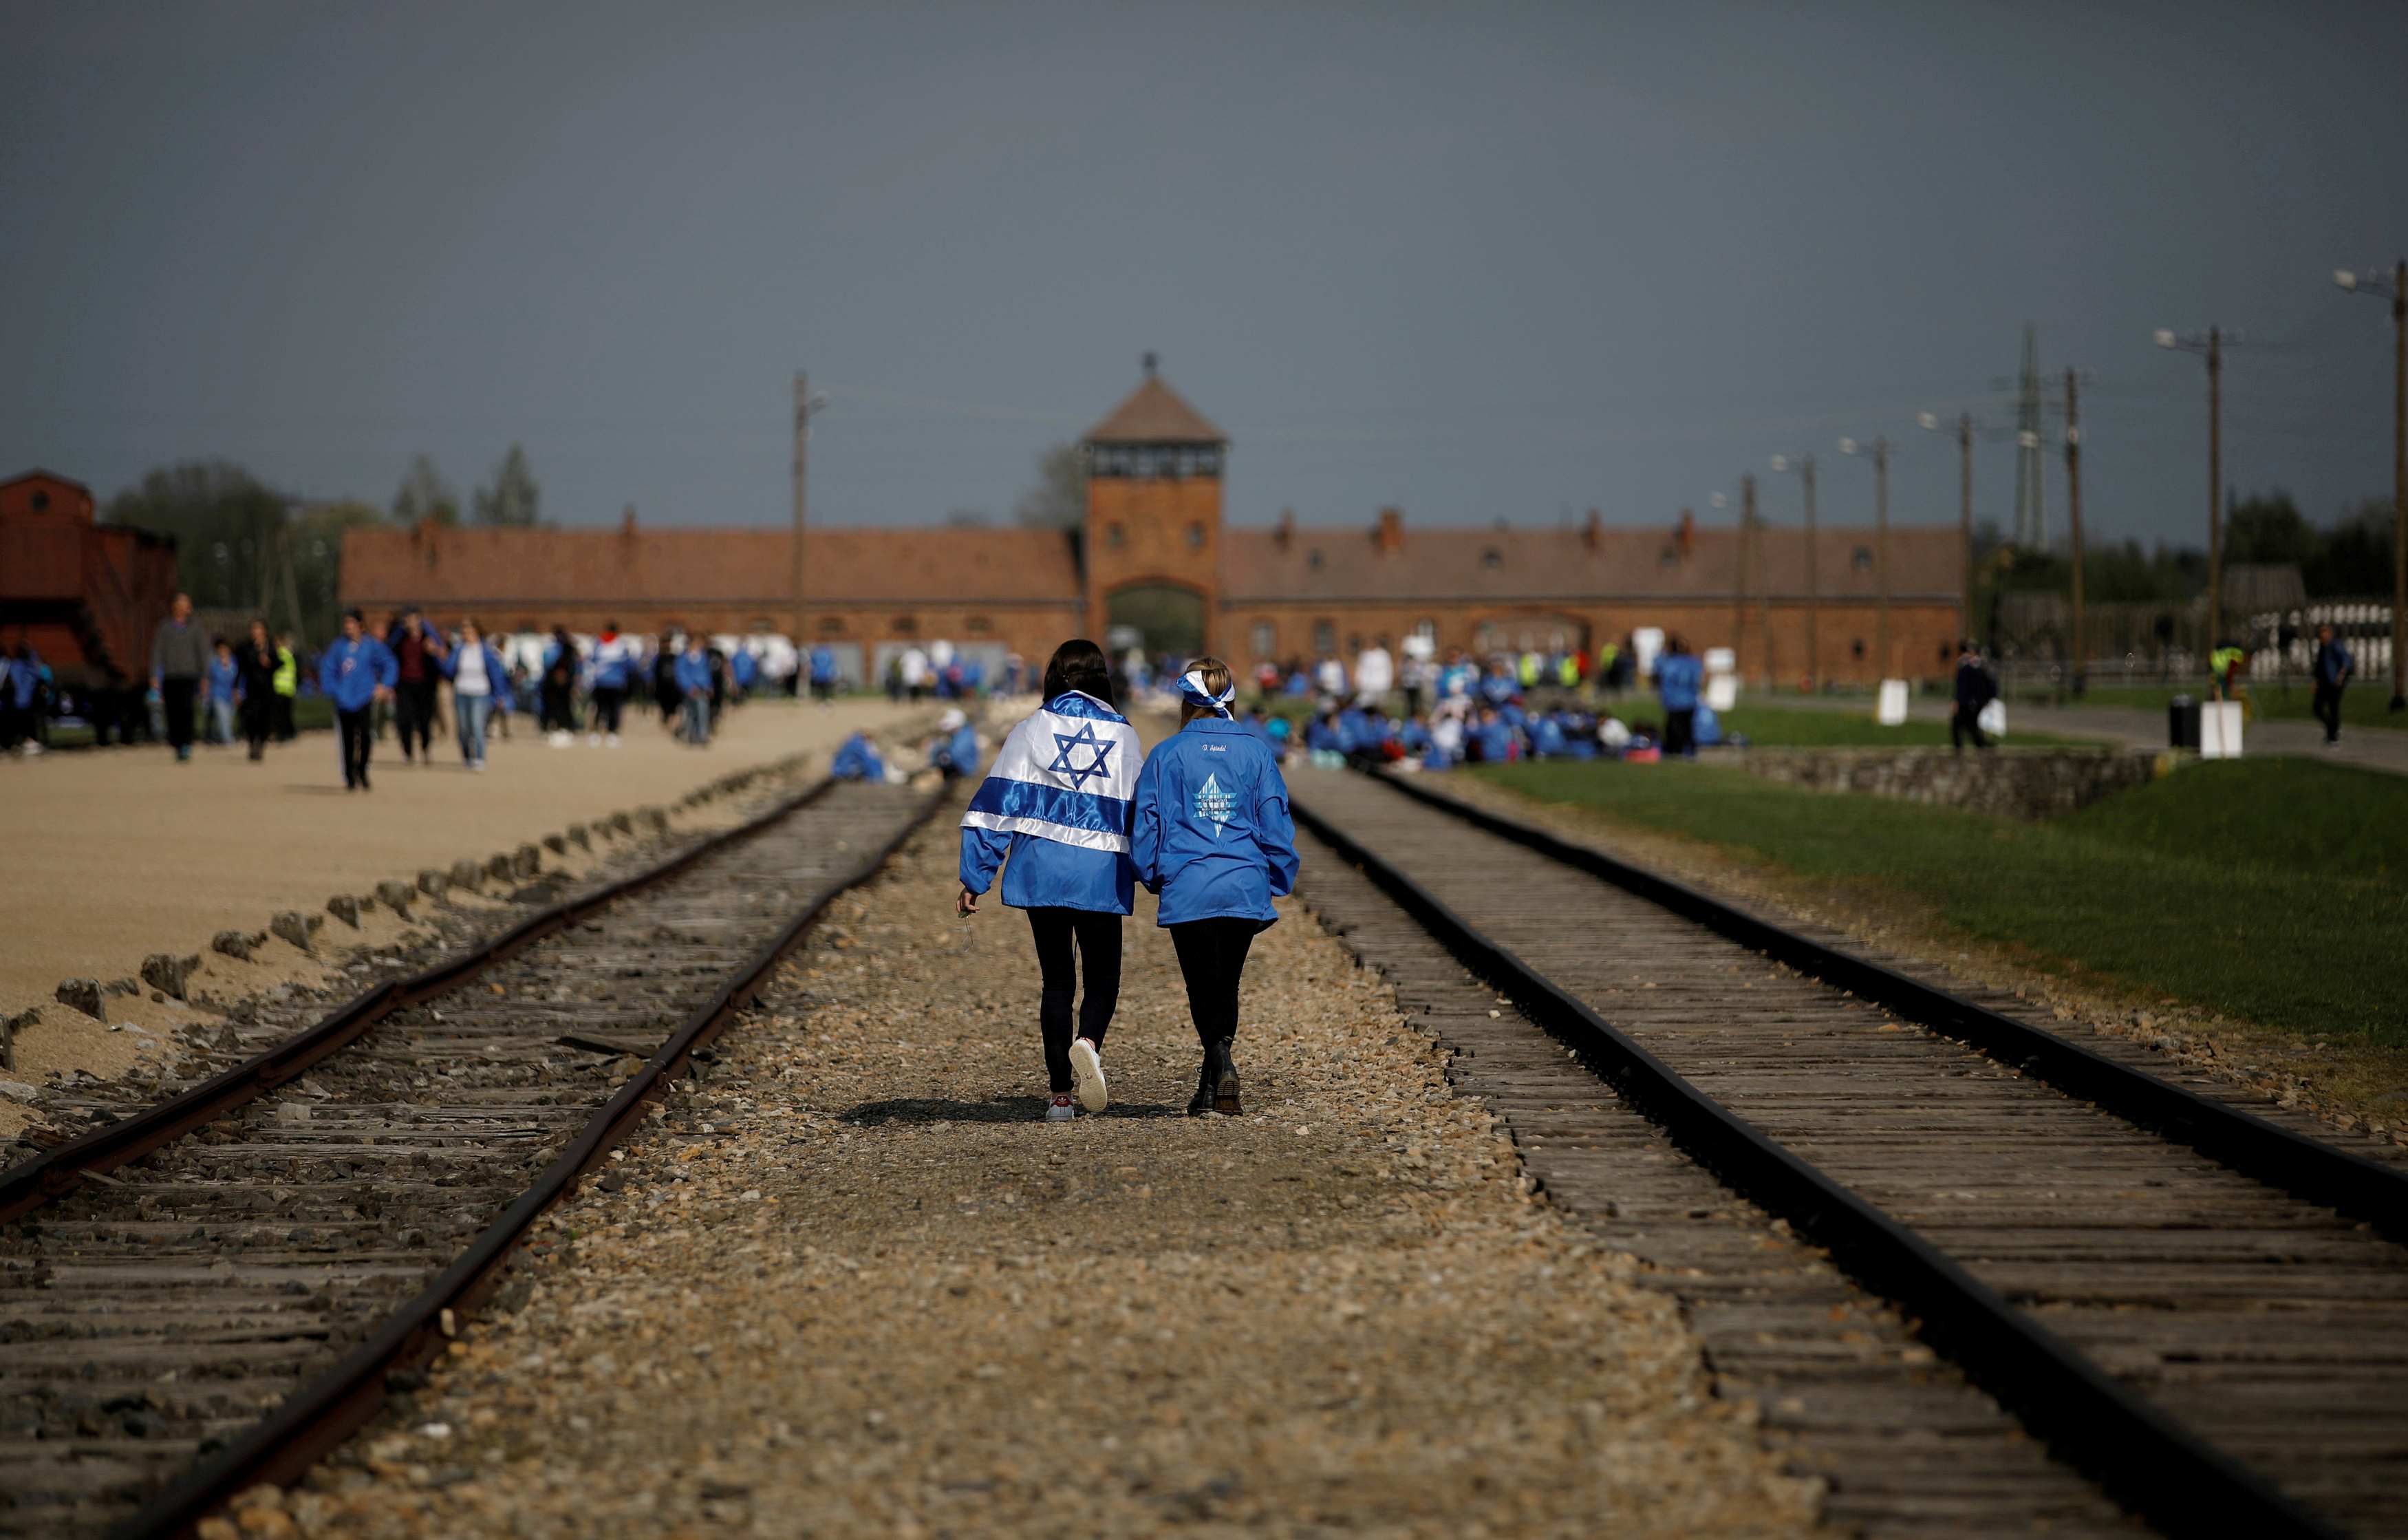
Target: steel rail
[(316, 1418), (2147, 1461), (55, 1173), (2306, 1168)]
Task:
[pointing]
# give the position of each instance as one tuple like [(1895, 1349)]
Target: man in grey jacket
[(179, 658)]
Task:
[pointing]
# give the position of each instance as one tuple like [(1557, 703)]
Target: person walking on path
[(179, 660), (614, 663), (223, 674), (287, 684), (824, 675), (694, 684), (356, 672), (1678, 678), (477, 680), (2333, 666), (1212, 835), (417, 656), (257, 661), (1056, 801), (1976, 689)]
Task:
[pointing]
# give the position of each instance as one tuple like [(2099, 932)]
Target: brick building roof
[(1154, 414), (1302, 564), (740, 567)]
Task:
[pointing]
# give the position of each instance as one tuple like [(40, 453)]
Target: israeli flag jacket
[(1212, 834), (1057, 803)]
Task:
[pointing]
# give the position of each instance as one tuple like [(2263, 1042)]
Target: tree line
[(244, 546)]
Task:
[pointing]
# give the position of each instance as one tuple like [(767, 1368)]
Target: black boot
[(1206, 1082), (1222, 1070)]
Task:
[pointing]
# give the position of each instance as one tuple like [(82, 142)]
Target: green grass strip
[(2274, 890)]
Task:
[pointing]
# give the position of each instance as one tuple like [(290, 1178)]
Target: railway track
[(2200, 1312), (216, 1290)]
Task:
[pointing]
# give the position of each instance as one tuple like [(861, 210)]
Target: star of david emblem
[(1066, 741)]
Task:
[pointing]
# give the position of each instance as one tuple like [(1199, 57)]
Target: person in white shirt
[(1329, 675), (1375, 674), (915, 673), (477, 683)]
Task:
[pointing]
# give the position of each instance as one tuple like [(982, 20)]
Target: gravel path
[(851, 1285)]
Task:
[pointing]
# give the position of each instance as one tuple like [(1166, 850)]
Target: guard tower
[(1153, 523)]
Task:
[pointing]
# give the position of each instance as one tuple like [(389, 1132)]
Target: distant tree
[(315, 538), (1059, 498), (2354, 558), (511, 502), (424, 494), (226, 523), (2266, 528), (967, 518)]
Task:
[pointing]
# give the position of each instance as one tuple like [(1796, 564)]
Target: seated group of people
[(1461, 731)]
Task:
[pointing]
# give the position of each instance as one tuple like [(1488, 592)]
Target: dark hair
[(354, 613), (1079, 664)]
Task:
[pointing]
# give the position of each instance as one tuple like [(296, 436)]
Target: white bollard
[(1891, 710), (2219, 730)]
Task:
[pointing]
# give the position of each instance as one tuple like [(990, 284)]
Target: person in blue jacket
[(824, 675), (693, 685), (1056, 802), (356, 672), (1678, 677), (956, 748), (857, 760), (1212, 837)]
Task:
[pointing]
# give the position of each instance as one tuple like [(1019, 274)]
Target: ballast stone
[(83, 995)]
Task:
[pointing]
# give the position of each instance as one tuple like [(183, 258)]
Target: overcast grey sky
[(1484, 261)]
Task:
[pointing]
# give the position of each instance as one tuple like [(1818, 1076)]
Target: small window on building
[(1114, 536), (1312, 558), (41, 501), (1671, 556), (1857, 647), (1492, 557), (982, 626), (907, 625), (1864, 558), (1266, 639), (1325, 637), (1194, 536), (831, 626)]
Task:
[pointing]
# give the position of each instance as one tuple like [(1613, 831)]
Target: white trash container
[(2219, 730), (1890, 711)]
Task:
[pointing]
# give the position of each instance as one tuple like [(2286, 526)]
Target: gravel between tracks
[(851, 1285)]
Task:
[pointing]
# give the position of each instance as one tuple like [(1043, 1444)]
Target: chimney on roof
[(1392, 531), (1286, 536), (1151, 362), (1593, 532), (627, 521), (1688, 533)]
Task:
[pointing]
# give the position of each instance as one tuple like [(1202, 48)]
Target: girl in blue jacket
[(1056, 801), (1213, 837)]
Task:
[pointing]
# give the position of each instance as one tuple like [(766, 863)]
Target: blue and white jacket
[(1212, 834), (1057, 803)]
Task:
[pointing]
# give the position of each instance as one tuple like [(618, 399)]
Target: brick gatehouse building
[(1157, 558)]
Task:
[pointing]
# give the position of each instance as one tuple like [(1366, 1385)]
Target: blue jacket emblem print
[(1214, 805)]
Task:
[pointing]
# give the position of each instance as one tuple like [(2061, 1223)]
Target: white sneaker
[(1060, 1111), (1088, 1066), (559, 739), (592, 740), (612, 739)]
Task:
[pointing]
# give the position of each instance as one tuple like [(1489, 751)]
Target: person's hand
[(965, 903)]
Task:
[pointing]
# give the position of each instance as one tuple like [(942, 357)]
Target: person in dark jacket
[(1976, 689), (418, 661), (179, 660), (1212, 835), (256, 660), (1056, 802), (2332, 671)]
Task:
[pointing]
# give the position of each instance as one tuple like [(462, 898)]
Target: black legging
[(1098, 940), (413, 713), (1213, 958), (608, 698)]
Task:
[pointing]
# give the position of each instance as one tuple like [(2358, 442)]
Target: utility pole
[(1880, 554), (2215, 488), (2398, 294), (2211, 346), (1813, 593), (1747, 538), (805, 405), (2074, 520), (1965, 521)]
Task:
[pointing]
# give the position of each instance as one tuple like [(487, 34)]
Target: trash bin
[(2182, 723)]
